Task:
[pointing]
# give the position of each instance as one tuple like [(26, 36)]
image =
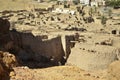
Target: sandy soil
[(54, 73), (21, 4)]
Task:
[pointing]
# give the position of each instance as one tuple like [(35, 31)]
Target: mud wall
[(50, 48), (91, 58), (69, 44)]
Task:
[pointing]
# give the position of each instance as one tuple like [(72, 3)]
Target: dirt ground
[(21, 4), (55, 73)]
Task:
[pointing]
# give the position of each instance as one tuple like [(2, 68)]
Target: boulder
[(7, 62)]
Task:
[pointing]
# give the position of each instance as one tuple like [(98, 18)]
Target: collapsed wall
[(92, 57)]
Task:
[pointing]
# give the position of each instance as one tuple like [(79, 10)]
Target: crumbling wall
[(50, 48), (68, 42), (27, 47), (92, 57)]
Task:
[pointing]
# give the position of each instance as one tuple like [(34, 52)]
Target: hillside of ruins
[(59, 40)]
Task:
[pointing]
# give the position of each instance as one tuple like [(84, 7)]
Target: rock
[(7, 62), (12, 73)]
